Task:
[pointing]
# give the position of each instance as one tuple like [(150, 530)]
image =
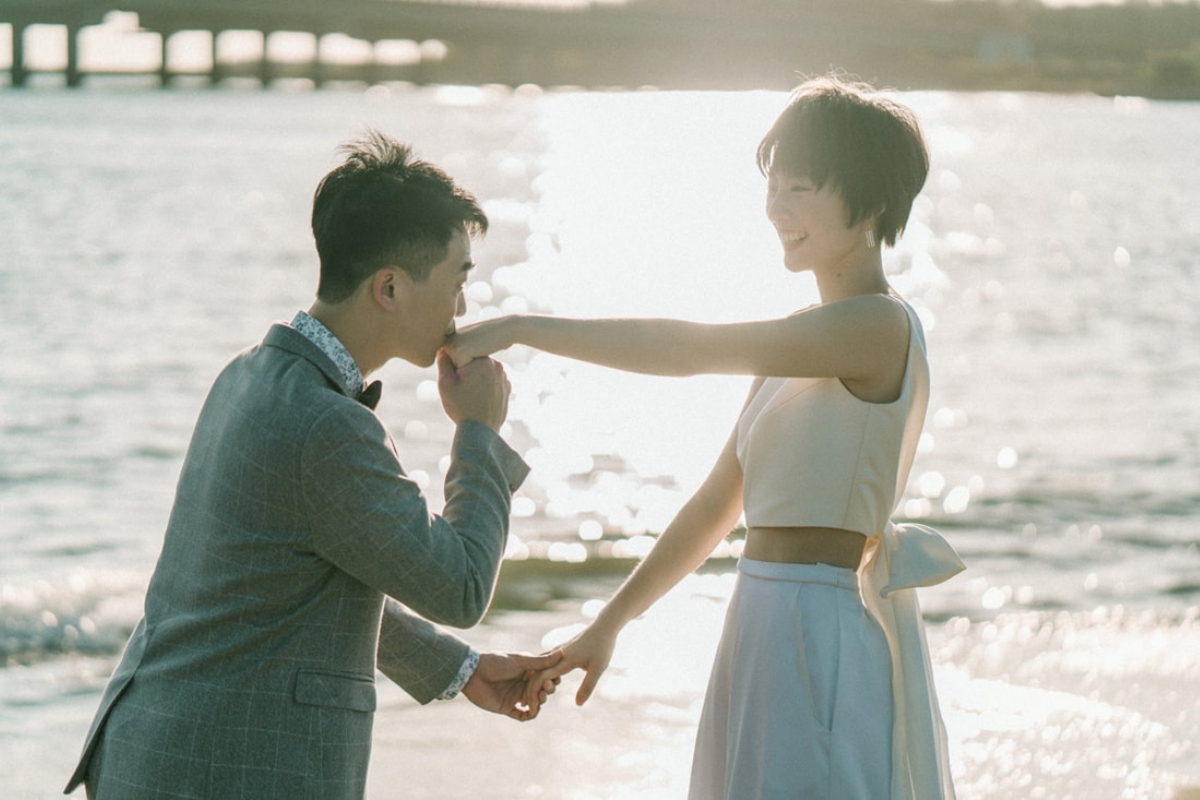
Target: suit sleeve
[(372, 521), (416, 655)]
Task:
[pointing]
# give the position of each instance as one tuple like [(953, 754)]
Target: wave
[(93, 612), (85, 613)]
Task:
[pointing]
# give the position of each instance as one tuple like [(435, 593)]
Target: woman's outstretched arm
[(855, 339), (699, 526)]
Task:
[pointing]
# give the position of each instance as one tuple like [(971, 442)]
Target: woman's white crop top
[(813, 454)]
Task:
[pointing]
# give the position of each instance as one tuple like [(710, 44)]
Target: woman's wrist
[(608, 622)]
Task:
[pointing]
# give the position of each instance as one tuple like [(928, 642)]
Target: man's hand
[(500, 683), (476, 391)]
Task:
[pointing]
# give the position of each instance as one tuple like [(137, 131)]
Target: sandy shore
[(607, 750), (1063, 728), (633, 740)]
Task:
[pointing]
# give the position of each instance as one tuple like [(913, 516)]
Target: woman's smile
[(791, 239)]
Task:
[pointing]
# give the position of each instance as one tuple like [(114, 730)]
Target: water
[(145, 237)]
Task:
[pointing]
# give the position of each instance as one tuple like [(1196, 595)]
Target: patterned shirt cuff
[(469, 665)]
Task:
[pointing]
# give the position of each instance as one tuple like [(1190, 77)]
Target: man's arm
[(371, 521), (416, 655), (423, 660)]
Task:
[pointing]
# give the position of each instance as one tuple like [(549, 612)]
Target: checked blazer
[(298, 558)]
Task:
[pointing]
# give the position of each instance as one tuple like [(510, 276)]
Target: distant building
[(1005, 48)]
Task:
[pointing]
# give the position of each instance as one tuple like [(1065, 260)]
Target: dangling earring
[(870, 239)]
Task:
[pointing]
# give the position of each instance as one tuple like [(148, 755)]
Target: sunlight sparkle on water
[(523, 507), (957, 500), (1006, 458), (1042, 705), (590, 530), (617, 250)]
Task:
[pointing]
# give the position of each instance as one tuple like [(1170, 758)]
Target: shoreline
[(236, 80), (633, 740), (1022, 711)]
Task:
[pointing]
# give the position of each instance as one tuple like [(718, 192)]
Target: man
[(298, 556)]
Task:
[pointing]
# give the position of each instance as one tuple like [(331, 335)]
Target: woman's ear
[(870, 227), (878, 215)]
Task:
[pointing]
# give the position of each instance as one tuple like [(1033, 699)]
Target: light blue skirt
[(799, 704)]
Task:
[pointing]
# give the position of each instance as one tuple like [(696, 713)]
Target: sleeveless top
[(813, 454)]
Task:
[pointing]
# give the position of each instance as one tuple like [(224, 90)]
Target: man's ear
[(388, 285)]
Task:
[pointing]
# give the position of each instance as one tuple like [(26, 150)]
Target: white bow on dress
[(897, 561)]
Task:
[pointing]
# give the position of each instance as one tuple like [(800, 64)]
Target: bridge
[(709, 44), (669, 43)]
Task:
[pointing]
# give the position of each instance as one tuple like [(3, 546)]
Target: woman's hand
[(590, 651), (479, 340), (502, 681)]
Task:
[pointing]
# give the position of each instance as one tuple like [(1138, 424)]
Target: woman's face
[(811, 223)]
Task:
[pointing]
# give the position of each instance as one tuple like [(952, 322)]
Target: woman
[(821, 686)]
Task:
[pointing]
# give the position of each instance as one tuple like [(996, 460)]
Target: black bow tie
[(369, 396)]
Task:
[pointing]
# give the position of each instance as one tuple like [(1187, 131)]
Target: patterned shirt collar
[(328, 344)]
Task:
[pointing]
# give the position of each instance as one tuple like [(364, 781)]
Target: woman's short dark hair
[(866, 146), (383, 207)]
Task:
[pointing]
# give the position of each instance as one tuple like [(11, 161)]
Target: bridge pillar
[(164, 70), (214, 74), (374, 69), (317, 71), (264, 66), (74, 76), (19, 74)]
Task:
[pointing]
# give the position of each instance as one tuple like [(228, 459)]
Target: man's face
[(430, 306)]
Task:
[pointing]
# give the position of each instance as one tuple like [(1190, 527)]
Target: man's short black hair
[(381, 208)]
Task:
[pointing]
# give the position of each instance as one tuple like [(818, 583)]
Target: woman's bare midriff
[(806, 545)]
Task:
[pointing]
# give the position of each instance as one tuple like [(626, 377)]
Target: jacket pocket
[(337, 689)]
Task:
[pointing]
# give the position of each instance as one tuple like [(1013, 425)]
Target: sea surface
[(148, 236)]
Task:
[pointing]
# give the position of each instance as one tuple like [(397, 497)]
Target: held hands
[(475, 391), (503, 683), (590, 651), (479, 340), (518, 685)]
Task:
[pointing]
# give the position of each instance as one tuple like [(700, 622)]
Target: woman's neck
[(852, 281)]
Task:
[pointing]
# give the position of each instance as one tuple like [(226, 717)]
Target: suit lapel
[(287, 338)]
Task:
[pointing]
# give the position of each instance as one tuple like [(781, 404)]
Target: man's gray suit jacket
[(295, 550)]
